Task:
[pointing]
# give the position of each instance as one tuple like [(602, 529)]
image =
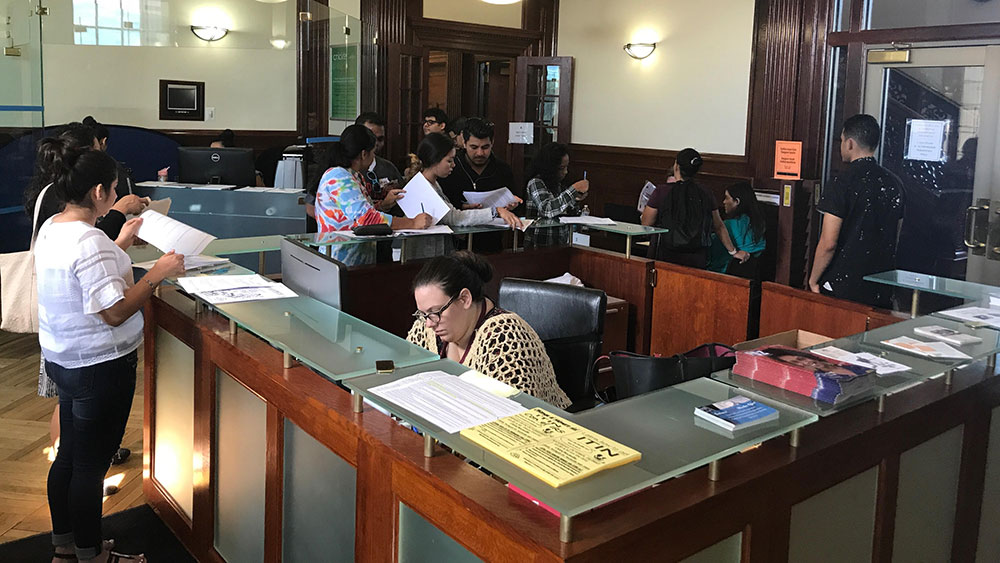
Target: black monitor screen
[(204, 165), (182, 97)]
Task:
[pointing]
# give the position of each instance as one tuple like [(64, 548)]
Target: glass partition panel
[(319, 497), (421, 542), (240, 447), (173, 444), (661, 425), (883, 14), (345, 63)]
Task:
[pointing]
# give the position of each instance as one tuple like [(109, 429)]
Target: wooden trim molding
[(475, 38), (916, 34)]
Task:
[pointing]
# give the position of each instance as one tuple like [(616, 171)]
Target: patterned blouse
[(343, 201)]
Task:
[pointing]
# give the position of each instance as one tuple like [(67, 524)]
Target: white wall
[(249, 82), (693, 90), (475, 11)]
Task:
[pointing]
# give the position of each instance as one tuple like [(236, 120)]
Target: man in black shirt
[(477, 169), (862, 210)]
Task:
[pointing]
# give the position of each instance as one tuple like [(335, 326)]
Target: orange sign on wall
[(788, 160)]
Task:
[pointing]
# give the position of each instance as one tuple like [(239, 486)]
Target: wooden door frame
[(564, 125), (393, 150)]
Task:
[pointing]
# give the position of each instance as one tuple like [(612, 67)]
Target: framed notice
[(344, 82), (788, 160), (927, 140)]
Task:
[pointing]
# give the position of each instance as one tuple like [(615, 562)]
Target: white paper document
[(190, 262), (488, 384), (218, 290), (169, 234), (496, 198), (421, 197), (645, 194), (928, 349), (926, 140), (586, 220), (446, 401), (881, 365), (432, 230), (982, 315)]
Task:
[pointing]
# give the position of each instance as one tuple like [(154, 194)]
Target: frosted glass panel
[(319, 501), (421, 542), (241, 423), (725, 551), (173, 455), (925, 506), (989, 523), (842, 516)]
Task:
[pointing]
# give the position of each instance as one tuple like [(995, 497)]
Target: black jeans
[(94, 403)]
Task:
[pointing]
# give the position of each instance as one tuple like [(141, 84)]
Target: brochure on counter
[(737, 413), (938, 350), (881, 365)]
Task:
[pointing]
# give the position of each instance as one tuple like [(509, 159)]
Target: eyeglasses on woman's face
[(433, 316)]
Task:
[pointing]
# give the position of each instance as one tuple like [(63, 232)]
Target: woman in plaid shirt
[(548, 198)]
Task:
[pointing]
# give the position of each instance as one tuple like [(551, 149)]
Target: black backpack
[(687, 212)]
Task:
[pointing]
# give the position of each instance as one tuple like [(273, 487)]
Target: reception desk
[(259, 446)]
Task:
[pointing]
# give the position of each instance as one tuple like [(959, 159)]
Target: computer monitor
[(311, 274), (205, 165)]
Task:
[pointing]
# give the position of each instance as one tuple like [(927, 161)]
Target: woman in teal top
[(745, 223)]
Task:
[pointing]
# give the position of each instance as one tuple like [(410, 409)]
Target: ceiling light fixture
[(209, 32), (640, 51)]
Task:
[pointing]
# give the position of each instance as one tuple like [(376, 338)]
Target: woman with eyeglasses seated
[(456, 320)]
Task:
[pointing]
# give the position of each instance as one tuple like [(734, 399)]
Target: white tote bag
[(18, 286)]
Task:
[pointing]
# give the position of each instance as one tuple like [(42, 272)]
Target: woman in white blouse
[(437, 156), (90, 327)]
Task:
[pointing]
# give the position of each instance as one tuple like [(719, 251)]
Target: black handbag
[(636, 374)]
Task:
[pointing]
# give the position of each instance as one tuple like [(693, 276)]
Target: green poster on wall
[(344, 82)]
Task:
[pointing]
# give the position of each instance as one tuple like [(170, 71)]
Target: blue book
[(736, 413)]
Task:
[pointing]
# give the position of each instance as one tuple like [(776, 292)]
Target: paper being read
[(170, 234), (421, 197), (161, 206), (496, 198)]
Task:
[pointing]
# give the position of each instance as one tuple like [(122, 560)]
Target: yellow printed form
[(550, 447)]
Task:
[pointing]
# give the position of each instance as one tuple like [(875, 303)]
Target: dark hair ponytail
[(75, 170), (434, 148), (48, 159), (455, 272), (353, 140), (100, 131), (689, 161)]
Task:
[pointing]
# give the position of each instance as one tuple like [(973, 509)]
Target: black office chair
[(570, 321)]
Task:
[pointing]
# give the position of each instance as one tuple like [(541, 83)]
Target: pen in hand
[(422, 208)]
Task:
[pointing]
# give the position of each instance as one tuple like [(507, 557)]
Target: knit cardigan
[(508, 350)]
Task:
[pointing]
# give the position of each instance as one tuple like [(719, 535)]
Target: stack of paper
[(219, 290), (976, 315), (195, 262), (496, 198), (928, 349), (169, 234), (446, 401), (586, 220), (525, 223)]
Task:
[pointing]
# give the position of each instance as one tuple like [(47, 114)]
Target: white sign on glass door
[(522, 133), (926, 139)]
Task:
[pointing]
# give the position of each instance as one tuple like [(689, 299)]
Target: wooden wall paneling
[(624, 278), (693, 307), (274, 485), (472, 38), (784, 308), (382, 295), (813, 84), (962, 32), (383, 22), (543, 16), (203, 505), (377, 520)]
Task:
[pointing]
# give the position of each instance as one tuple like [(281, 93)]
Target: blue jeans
[(94, 403)]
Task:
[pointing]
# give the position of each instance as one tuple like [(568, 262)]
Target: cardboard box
[(792, 338)]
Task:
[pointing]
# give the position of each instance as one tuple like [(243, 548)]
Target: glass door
[(21, 115), (939, 116)]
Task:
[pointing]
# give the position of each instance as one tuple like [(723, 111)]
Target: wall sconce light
[(640, 51), (209, 32)]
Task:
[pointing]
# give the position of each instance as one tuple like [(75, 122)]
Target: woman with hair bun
[(344, 195), (457, 321), (691, 213), (90, 326)]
